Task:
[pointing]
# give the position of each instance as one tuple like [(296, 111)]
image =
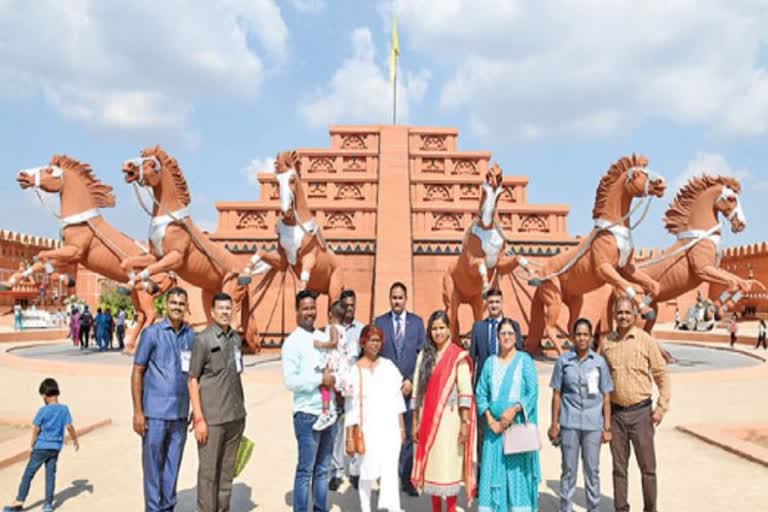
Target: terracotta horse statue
[(301, 245), (695, 256), (88, 239), (606, 255), (482, 260), (177, 244)]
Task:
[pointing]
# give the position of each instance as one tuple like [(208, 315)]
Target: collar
[(630, 335), (572, 354), (352, 325), (498, 320), (79, 218), (402, 315), (219, 332), (170, 217), (166, 325), (616, 229)]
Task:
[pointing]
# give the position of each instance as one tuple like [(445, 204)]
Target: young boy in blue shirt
[(47, 438)]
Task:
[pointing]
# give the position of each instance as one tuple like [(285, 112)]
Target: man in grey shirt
[(216, 393)]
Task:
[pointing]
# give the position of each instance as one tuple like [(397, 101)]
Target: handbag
[(521, 437), (244, 451), (355, 443)]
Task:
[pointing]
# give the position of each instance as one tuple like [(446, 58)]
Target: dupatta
[(439, 388)]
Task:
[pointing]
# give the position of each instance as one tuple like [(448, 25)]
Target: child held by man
[(337, 360), (47, 439)]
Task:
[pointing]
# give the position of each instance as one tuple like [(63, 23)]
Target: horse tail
[(448, 289)]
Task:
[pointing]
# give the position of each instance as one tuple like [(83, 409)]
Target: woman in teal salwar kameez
[(507, 386)]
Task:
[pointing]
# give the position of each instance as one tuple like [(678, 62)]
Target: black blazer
[(479, 349), (413, 340)]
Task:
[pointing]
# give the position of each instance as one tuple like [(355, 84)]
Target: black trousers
[(85, 333), (761, 341)]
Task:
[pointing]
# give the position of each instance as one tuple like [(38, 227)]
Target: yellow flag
[(394, 53)]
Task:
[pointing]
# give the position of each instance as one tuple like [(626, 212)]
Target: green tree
[(110, 299)]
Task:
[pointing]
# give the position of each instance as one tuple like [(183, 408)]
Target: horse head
[(698, 203), (490, 196), (156, 169), (729, 205), (48, 178), (287, 169), (143, 170), (642, 182)]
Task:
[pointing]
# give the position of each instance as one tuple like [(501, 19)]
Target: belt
[(633, 407)]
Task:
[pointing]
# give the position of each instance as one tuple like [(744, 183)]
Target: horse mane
[(100, 193), (170, 164), (618, 169), (676, 217)]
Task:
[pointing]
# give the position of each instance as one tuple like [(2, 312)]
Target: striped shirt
[(636, 363)]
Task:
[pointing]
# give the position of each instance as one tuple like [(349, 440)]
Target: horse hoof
[(650, 315), (123, 290), (244, 280), (151, 287), (535, 282)]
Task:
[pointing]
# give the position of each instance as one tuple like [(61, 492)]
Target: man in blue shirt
[(161, 400), (303, 374)]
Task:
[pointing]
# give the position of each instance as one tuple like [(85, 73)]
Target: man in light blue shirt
[(303, 374)]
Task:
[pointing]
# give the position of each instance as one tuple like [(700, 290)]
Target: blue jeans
[(162, 447), (37, 459), (17, 323), (315, 451)]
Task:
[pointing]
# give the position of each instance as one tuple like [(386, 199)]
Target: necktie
[(398, 333), (492, 338)]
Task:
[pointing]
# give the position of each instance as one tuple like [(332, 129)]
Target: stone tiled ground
[(106, 473)]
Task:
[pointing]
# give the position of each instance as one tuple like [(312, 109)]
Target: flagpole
[(394, 98)]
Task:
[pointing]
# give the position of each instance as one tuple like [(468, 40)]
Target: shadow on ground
[(75, 489), (241, 501)]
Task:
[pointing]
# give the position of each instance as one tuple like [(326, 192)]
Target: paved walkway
[(106, 473)]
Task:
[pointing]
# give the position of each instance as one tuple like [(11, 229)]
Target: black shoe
[(409, 489), (355, 481), (335, 483)]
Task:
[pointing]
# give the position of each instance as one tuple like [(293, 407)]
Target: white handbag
[(521, 437)]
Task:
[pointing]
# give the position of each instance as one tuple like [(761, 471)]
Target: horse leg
[(61, 257), (552, 299), (144, 314), (574, 302), (453, 315), (307, 266), (335, 285), (232, 287), (207, 297), (261, 263), (17, 277), (482, 269), (173, 260)]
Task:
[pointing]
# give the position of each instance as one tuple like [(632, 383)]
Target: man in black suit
[(403, 339), (484, 344)]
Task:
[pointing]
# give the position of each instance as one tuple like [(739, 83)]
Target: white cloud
[(140, 64), (359, 91), (709, 163), (256, 166), (309, 6), (591, 67)]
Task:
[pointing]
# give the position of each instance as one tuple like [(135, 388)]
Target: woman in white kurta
[(377, 380)]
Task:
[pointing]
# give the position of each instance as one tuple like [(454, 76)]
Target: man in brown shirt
[(636, 362)]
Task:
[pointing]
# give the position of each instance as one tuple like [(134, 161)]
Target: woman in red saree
[(444, 417)]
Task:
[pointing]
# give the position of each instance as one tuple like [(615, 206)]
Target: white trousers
[(389, 493)]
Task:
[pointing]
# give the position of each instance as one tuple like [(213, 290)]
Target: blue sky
[(556, 90)]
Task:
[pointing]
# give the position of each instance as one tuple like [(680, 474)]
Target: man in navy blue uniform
[(403, 339)]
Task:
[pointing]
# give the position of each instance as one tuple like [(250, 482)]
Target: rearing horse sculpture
[(605, 256), (87, 238), (301, 245), (482, 251), (174, 239), (694, 258)]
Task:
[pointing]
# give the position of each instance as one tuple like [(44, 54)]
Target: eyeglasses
[(506, 333)]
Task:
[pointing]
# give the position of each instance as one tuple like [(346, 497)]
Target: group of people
[(102, 328), (415, 400), (394, 403)]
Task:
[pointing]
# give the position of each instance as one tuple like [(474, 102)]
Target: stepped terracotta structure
[(394, 203)]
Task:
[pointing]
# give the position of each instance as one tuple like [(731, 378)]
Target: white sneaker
[(325, 420)]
